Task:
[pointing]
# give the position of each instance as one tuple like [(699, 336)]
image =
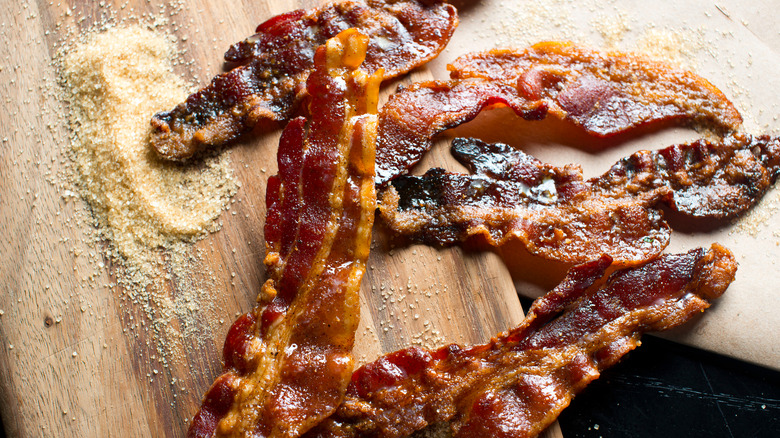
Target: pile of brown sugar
[(146, 212), (115, 82)]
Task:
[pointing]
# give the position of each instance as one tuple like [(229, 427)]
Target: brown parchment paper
[(736, 46)]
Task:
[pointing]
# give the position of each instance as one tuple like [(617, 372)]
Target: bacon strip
[(559, 216), (415, 114), (605, 93), (715, 179), (518, 383), (275, 62), (288, 363)]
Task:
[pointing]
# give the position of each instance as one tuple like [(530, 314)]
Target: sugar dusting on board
[(608, 26), (146, 212)]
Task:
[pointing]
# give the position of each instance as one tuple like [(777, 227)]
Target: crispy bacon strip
[(715, 179), (559, 216), (288, 363), (606, 93), (274, 63), (518, 383), (415, 114)]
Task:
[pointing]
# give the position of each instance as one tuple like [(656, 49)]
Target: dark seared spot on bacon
[(559, 216), (289, 361), (605, 93), (518, 383), (269, 80)]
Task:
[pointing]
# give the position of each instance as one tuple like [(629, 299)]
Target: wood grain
[(78, 357)]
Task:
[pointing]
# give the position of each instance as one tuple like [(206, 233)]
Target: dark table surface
[(667, 390)]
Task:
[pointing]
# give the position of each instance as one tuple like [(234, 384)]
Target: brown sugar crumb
[(612, 28), (756, 221), (676, 47)]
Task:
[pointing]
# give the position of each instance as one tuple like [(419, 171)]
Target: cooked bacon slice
[(551, 210), (559, 216), (274, 63), (288, 363), (606, 93), (518, 383), (715, 179), (415, 114)]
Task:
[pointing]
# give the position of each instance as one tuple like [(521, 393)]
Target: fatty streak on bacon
[(605, 93), (273, 65), (558, 215), (288, 363), (518, 383)]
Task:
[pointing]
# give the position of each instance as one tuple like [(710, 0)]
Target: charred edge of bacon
[(714, 179), (604, 93), (273, 65), (517, 384)]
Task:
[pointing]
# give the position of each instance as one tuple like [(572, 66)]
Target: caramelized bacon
[(415, 114), (273, 65), (715, 179), (606, 93), (559, 216), (288, 363), (518, 383)]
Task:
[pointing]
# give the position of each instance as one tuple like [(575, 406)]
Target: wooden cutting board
[(76, 360)]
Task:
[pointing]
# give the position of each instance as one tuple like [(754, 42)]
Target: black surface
[(663, 389)]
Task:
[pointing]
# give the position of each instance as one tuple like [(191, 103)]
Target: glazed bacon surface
[(558, 215), (269, 81), (714, 179), (518, 383), (605, 93), (288, 362)]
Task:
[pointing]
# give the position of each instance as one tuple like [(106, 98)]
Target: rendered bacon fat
[(606, 93), (558, 215), (288, 363), (518, 383), (274, 63)]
